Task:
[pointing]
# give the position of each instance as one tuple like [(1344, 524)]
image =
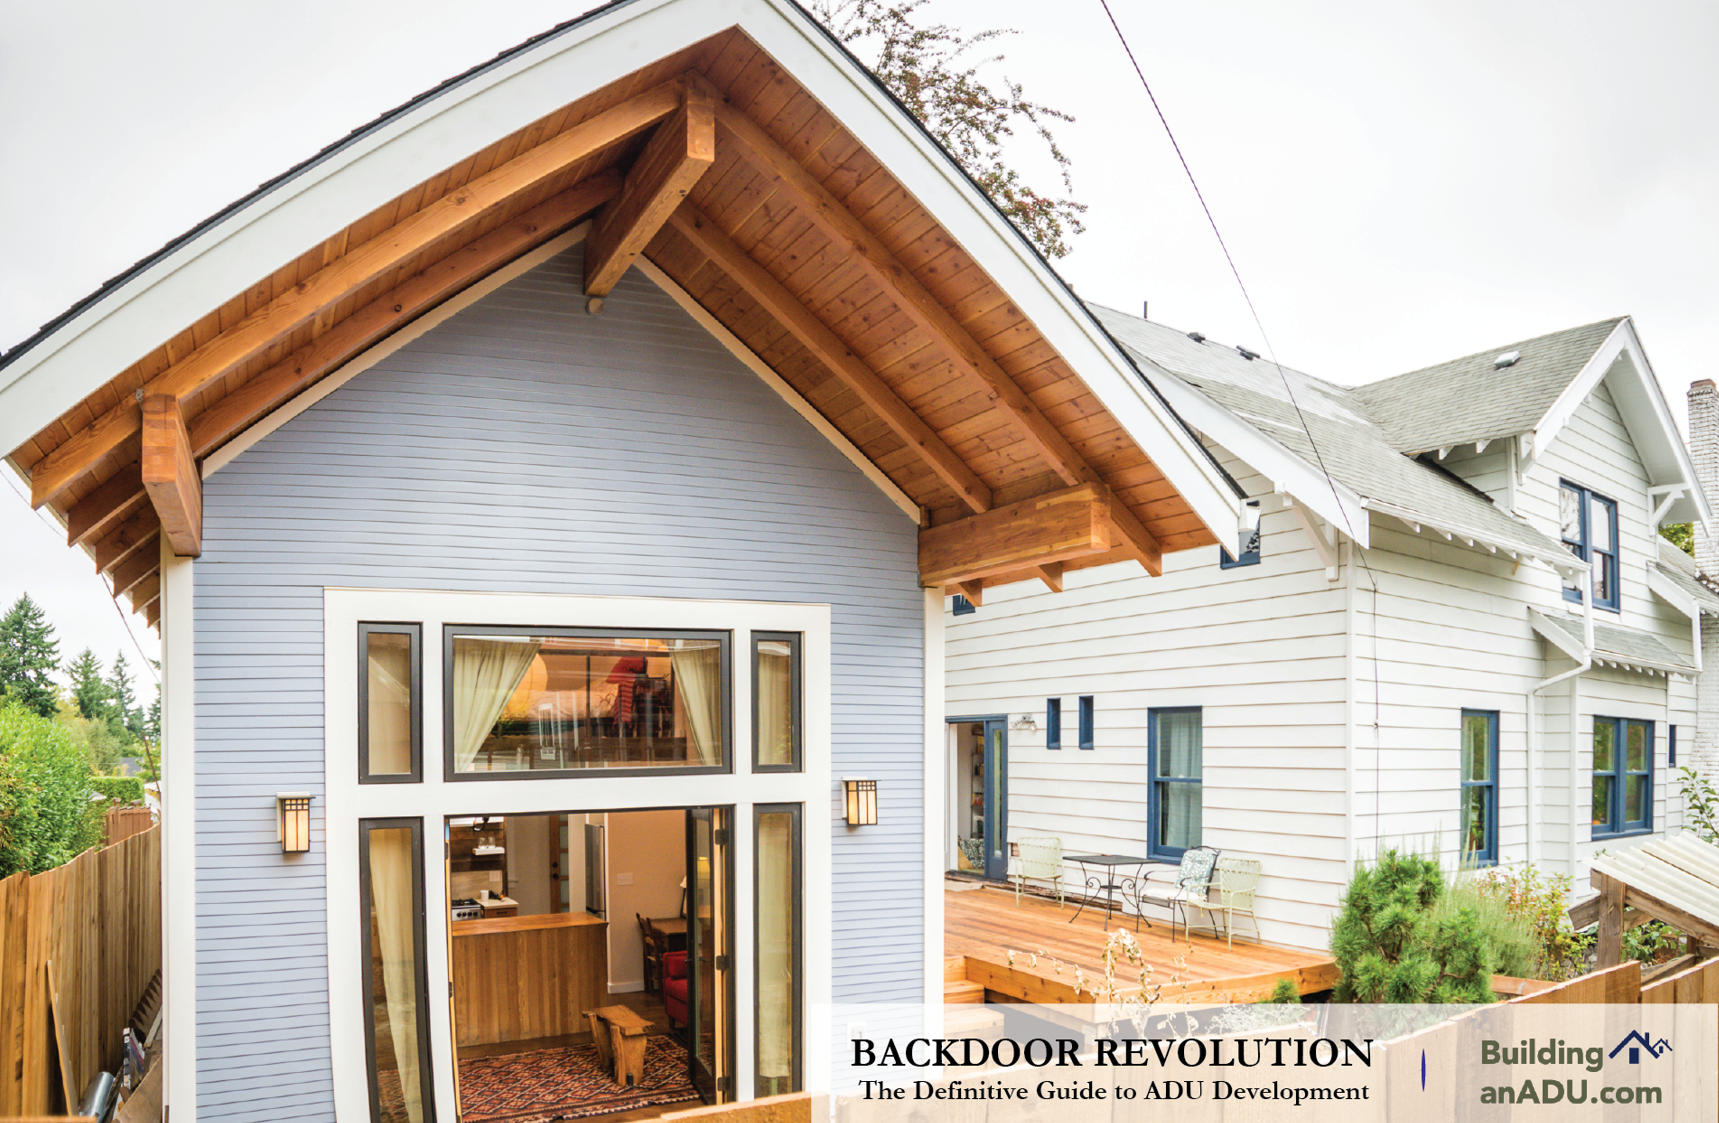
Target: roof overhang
[(1622, 363), (1562, 561), (1609, 654)]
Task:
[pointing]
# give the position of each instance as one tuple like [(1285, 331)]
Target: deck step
[(955, 969), (962, 993)]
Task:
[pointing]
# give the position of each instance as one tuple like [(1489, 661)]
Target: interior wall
[(647, 858)]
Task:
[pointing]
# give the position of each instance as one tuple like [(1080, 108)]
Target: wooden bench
[(620, 1037)]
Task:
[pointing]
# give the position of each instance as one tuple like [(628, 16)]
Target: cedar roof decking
[(983, 925)]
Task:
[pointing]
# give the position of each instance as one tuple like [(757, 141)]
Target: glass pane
[(1635, 799), (708, 953), (776, 727), (1476, 819), (556, 702), (1178, 815), (1602, 802), (1605, 732), (1570, 516), (394, 974), (1605, 578), (1635, 747), (1599, 525), (1476, 748), (388, 689), (1179, 744), (778, 879)]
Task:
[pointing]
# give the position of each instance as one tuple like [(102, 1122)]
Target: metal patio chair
[(1175, 889), (1233, 883)]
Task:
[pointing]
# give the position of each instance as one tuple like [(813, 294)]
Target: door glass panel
[(778, 926), (394, 973), (994, 795), (709, 967)]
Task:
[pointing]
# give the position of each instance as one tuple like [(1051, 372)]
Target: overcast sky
[(1400, 183)]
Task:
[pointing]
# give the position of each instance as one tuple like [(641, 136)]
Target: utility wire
[(1271, 351)]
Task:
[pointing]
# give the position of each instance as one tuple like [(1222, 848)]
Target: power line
[(1313, 442)]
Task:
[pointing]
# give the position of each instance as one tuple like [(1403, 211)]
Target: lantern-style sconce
[(292, 821), (862, 802)]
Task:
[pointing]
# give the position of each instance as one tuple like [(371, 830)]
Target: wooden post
[(1611, 920)]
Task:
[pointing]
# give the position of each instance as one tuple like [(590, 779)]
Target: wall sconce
[(1026, 723), (862, 802), (292, 821)]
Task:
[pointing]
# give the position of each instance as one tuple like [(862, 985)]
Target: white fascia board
[(997, 248), (1668, 591), (270, 231), (1560, 560), (1333, 502), (1646, 415)]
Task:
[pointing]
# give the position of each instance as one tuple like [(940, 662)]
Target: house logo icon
[(1637, 1042)]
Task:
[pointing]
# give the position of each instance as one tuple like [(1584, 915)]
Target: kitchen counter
[(517, 978)]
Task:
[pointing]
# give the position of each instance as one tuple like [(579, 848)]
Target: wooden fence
[(120, 823), (78, 946)]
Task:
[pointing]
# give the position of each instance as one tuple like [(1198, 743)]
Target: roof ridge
[(1484, 351)]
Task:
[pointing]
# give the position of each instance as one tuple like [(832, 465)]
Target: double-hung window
[(1175, 739), (1623, 776), (1479, 787), (1589, 525)]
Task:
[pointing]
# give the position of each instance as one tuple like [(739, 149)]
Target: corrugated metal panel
[(1682, 871), (524, 446)]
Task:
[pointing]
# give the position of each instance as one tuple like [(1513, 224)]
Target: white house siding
[(1259, 648)]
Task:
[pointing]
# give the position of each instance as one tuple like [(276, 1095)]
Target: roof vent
[(1507, 359), (1196, 337), (1250, 356)]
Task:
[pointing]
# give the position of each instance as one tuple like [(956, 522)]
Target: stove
[(465, 908)]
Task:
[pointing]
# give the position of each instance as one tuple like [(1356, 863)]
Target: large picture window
[(523, 702), (1589, 525), (1623, 776), (1175, 743), (396, 1025), (1479, 815)]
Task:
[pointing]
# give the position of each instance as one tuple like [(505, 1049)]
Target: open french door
[(710, 957)]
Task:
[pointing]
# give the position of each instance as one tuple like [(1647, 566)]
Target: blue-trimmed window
[(1053, 723), (1174, 744), (1623, 776), (1086, 721), (962, 606), (1671, 745), (1227, 561), (1589, 526), (1479, 812)]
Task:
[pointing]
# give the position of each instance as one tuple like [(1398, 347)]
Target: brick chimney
[(1704, 452)]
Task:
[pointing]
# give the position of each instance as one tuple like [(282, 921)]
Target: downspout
[(1350, 799)]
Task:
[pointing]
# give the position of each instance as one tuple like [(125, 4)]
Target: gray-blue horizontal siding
[(523, 446)]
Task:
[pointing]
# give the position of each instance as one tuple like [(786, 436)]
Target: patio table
[(1103, 876)]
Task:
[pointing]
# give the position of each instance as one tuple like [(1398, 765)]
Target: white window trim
[(346, 801)]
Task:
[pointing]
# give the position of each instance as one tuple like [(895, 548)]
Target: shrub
[(1284, 994), (47, 816), (1398, 940), (119, 789), (1701, 805), (1509, 935), (1541, 902)]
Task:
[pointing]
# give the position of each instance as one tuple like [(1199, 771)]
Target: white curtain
[(486, 673), (698, 686), (775, 687), (1180, 748), (389, 736), (391, 902), (775, 951)]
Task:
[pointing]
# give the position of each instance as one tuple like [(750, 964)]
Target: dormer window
[(1589, 526)]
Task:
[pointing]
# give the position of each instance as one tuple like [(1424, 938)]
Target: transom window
[(1480, 787), (1623, 776), (1589, 525), (1175, 745), (523, 700)]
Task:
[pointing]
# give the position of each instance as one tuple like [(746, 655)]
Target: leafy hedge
[(119, 789), (47, 816)]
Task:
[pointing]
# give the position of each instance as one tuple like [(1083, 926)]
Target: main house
[(547, 496), (1459, 629)]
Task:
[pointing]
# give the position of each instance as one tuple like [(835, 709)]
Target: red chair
[(674, 987)]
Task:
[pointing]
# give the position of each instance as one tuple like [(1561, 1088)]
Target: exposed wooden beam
[(387, 251), (1071, 523), (170, 475), (678, 154), (152, 612), (99, 511), (1135, 538), (814, 200), (828, 349), (1051, 574), (130, 535), (146, 593), (974, 591), (134, 568)]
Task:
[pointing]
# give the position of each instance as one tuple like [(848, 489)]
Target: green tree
[(89, 688), (1681, 535), (47, 816), (127, 714), (1392, 944), (931, 69), (28, 655)]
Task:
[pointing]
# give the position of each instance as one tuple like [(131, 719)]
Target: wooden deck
[(984, 925)]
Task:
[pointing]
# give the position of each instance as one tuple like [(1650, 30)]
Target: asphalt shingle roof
[(1680, 568), (1353, 448), (1619, 645), (1469, 400)]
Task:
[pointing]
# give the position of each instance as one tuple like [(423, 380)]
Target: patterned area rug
[(567, 1083)]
